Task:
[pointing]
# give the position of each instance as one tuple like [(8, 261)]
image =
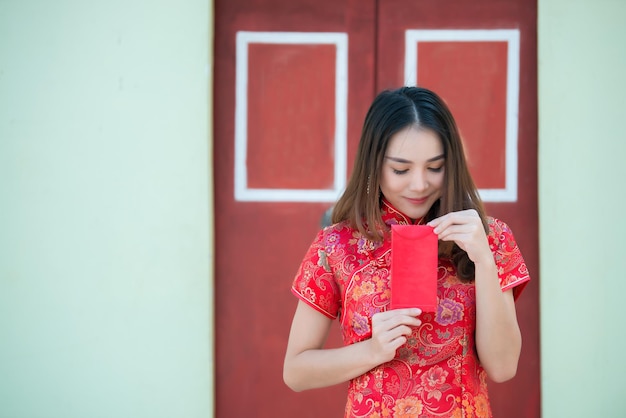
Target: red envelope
[(413, 267)]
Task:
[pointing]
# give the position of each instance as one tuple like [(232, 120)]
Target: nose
[(419, 181)]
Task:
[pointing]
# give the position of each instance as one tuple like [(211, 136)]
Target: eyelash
[(432, 169)]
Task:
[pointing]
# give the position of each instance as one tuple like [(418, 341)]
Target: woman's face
[(413, 171)]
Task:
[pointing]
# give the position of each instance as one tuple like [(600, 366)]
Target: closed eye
[(399, 172), (435, 169)]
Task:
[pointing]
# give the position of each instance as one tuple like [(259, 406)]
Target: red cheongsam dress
[(436, 373)]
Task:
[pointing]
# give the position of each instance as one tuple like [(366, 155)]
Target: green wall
[(105, 213), (582, 194)]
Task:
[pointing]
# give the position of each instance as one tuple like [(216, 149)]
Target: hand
[(389, 331), (466, 229)]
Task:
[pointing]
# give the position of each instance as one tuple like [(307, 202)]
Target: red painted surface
[(260, 245), (472, 78), (291, 136)]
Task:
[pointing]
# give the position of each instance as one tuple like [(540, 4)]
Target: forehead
[(414, 144)]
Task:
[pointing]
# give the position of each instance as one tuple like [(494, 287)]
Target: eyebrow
[(404, 161)]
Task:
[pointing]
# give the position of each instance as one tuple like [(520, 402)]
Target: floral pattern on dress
[(449, 312), (436, 373)]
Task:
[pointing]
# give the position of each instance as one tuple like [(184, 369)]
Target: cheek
[(440, 179), (437, 181), (389, 183), (384, 180)]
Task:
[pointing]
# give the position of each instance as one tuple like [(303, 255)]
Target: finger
[(393, 335), (405, 320), (389, 325), (468, 231), (457, 229), (460, 241), (402, 330), (407, 311), (393, 312), (396, 321), (454, 217), (468, 226), (444, 222), (437, 221), (397, 343), (389, 330)]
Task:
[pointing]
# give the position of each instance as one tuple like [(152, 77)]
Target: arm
[(498, 337), (308, 365)]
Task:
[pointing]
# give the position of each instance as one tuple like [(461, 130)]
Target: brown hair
[(391, 112)]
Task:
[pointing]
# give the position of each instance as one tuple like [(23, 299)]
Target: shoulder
[(337, 236), (498, 229), (502, 242), (496, 225), (500, 236), (512, 268)]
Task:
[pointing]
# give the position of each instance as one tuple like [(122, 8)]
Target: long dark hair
[(391, 112)]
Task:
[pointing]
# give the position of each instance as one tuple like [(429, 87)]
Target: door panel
[(279, 115), (472, 65), (293, 81), (472, 76), (285, 122)]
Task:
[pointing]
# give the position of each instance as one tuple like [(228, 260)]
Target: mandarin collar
[(392, 216)]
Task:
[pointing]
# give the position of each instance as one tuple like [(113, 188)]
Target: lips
[(416, 201)]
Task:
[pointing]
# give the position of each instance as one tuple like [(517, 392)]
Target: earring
[(368, 185)]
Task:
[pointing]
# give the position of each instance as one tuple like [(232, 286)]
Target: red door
[(293, 80), (481, 57)]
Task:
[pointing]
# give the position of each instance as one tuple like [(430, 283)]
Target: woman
[(410, 169)]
